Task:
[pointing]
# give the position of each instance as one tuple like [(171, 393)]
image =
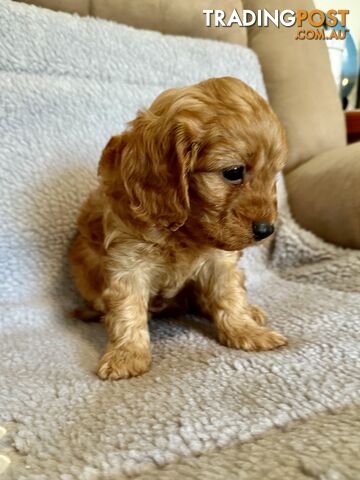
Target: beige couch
[(323, 173)]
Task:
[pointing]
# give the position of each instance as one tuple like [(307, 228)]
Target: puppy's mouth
[(264, 240), (232, 232), (243, 238), (232, 242)]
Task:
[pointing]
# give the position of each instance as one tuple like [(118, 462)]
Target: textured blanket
[(203, 411)]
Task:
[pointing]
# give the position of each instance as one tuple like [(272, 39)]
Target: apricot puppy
[(188, 185)]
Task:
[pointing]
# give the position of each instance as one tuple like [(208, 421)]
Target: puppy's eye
[(234, 174)]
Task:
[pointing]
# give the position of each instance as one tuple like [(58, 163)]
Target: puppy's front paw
[(121, 363), (257, 314), (252, 338)]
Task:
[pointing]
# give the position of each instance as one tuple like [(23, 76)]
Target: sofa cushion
[(300, 85), (175, 17), (324, 195)]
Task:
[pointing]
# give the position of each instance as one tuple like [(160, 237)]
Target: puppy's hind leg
[(86, 314), (91, 313), (87, 271)]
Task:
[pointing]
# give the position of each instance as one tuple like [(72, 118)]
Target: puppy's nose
[(262, 230)]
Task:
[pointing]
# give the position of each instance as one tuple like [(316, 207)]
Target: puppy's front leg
[(222, 296), (128, 350)]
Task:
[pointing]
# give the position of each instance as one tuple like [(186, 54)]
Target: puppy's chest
[(173, 271)]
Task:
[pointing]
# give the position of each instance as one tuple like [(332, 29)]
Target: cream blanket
[(203, 411)]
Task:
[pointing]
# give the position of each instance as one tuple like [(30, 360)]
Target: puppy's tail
[(86, 314)]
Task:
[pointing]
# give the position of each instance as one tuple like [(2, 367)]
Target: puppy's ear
[(147, 167), (111, 157)]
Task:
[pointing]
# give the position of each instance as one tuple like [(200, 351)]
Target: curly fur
[(164, 229)]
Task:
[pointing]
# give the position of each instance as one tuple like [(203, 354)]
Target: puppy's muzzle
[(262, 230)]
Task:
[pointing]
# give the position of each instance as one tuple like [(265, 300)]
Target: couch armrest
[(324, 195), (353, 126)]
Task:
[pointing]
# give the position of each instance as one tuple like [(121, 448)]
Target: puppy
[(188, 185)]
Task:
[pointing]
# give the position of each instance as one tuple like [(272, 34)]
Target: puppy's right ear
[(111, 158)]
